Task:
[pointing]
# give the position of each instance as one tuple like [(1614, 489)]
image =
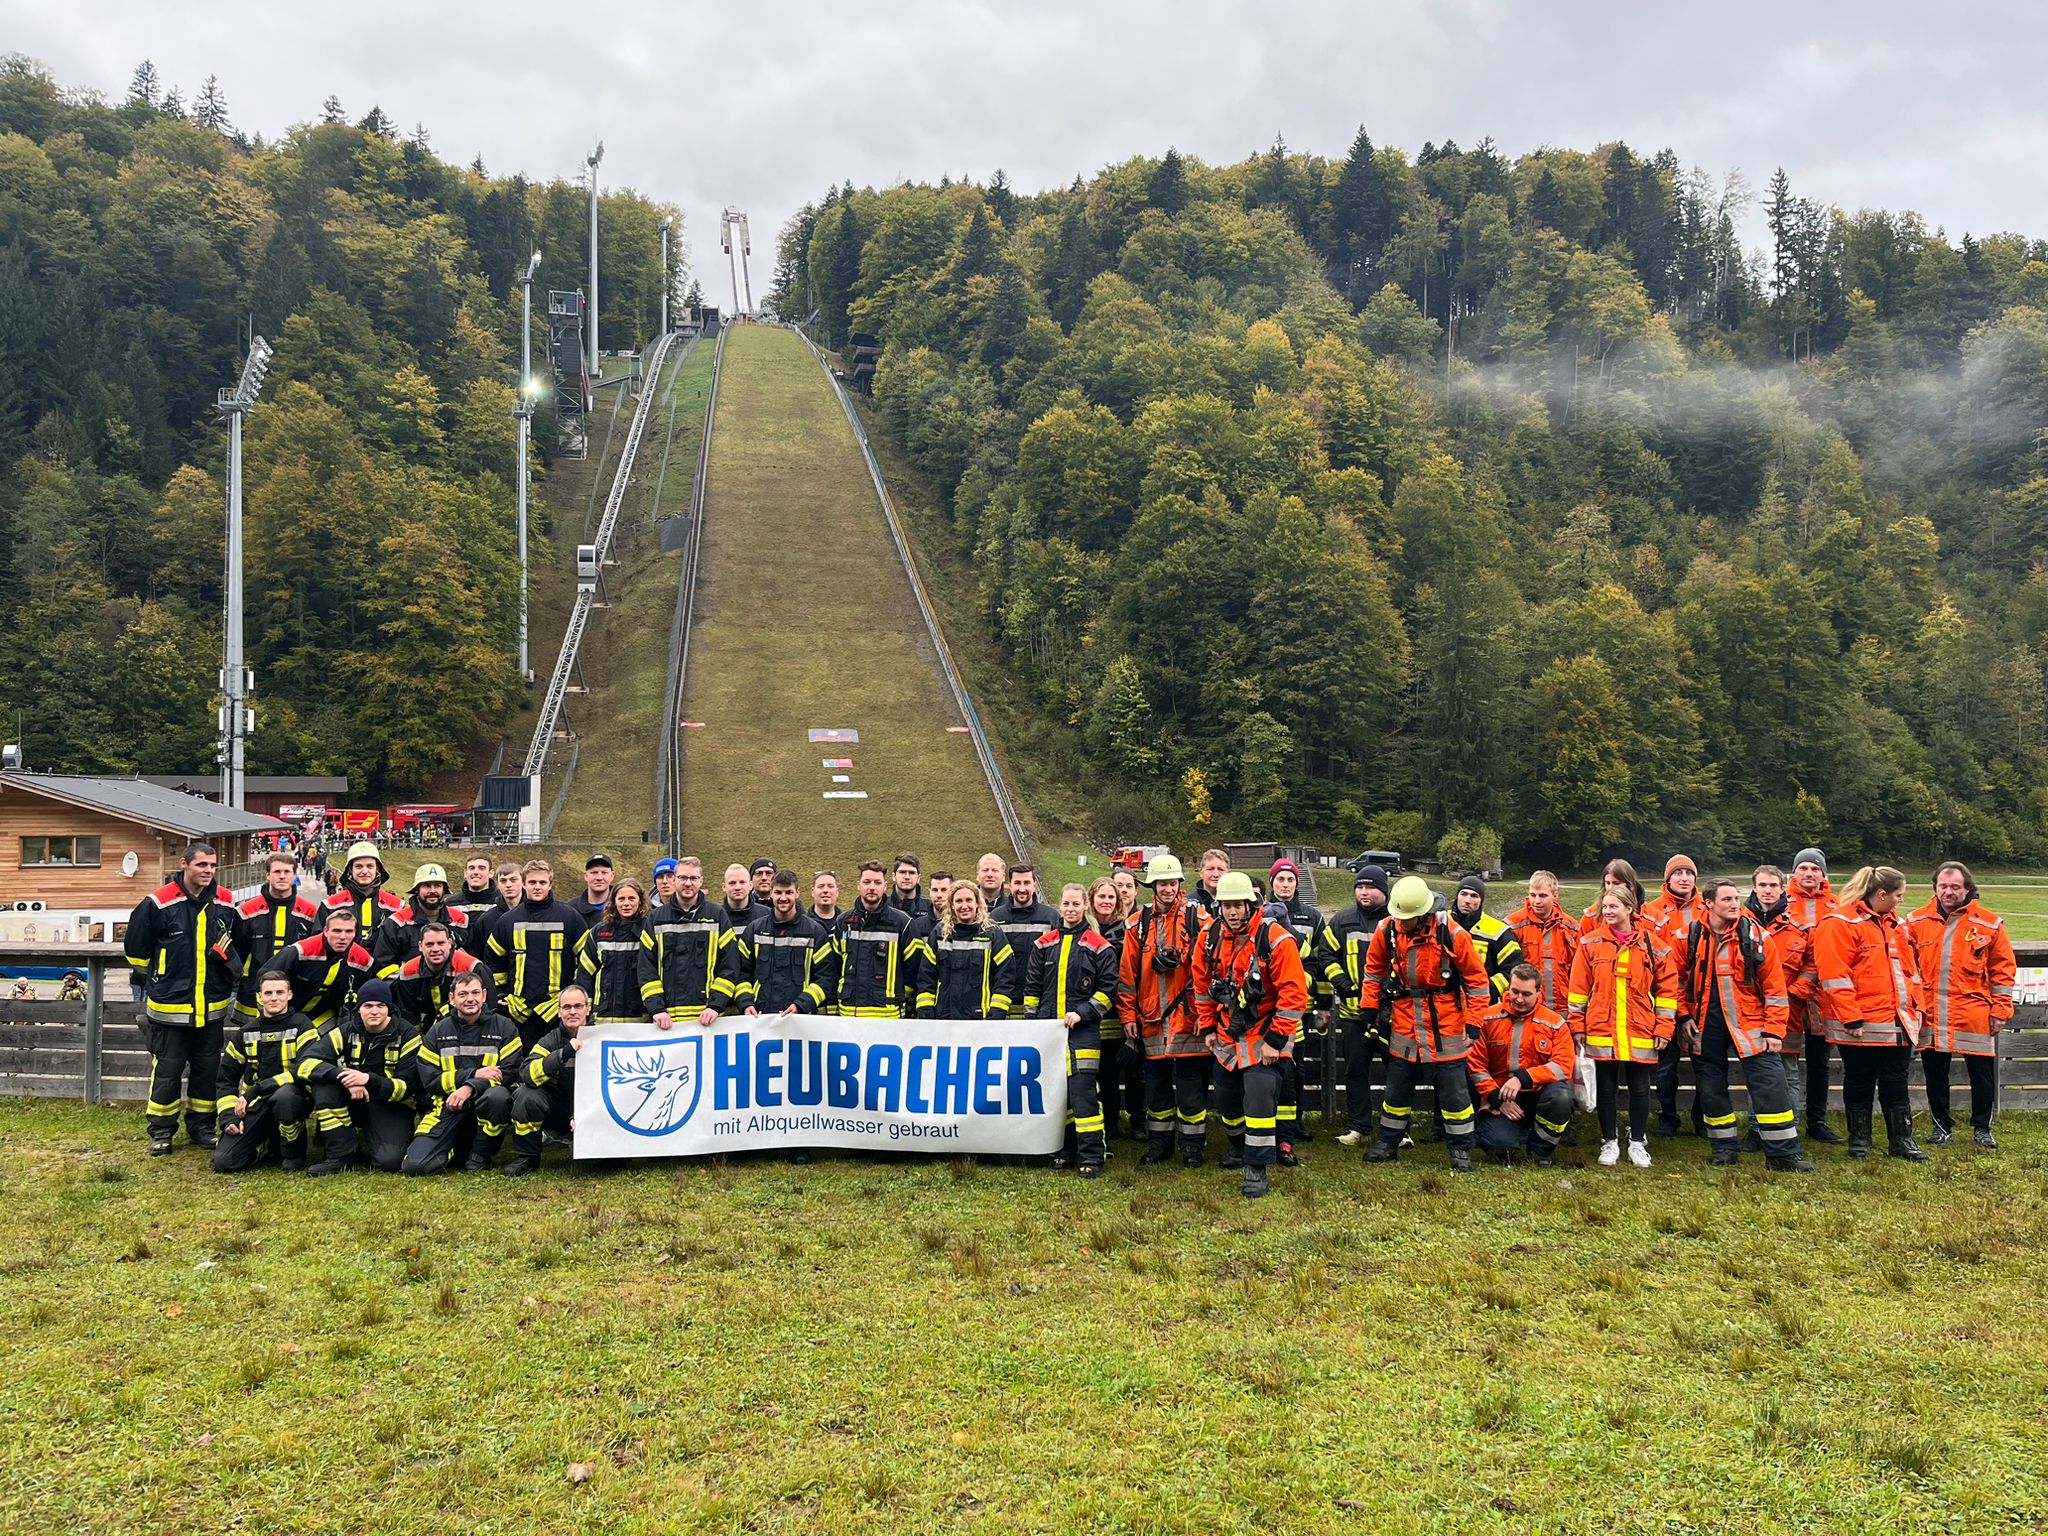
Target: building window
[(59, 852)]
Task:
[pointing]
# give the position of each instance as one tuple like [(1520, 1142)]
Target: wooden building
[(77, 853)]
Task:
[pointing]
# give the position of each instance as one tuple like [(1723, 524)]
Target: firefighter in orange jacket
[(1155, 1000), (1522, 1072), (1548, 938), (1809, 900), (1250, 995), (1427, 968), (1732, 997), (1624, 1009), (1667, 914), (1966, 984), (1869, 996)]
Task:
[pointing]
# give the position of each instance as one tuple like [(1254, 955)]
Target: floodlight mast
[(524, 411), (595, 156), (236, 683)]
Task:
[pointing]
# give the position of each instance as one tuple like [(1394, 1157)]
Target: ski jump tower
[(738, 264)]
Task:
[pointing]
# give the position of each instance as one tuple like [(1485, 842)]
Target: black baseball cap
[(598, 861)]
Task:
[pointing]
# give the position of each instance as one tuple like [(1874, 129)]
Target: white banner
[(747, 1084)]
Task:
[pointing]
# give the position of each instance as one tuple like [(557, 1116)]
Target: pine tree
[(1782, 214), (1546, 202), (144, 84), (1362, 218), (331, 112), (1167, 189), (174, 103), (1002, 202), (374, 121), (211, 109)]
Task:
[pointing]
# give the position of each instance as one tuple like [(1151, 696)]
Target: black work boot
[(1859, 1132), (326, 1166), (1382, 1152), (1798, 1162), (521, 1166), (1158, 1148), (292, 1158), (1256, 1182), (1724, 1155), (1898, 1135), (1820, 1130), (1234, 1158), (1461, 1158), (1191, 1152), (161, 1146)]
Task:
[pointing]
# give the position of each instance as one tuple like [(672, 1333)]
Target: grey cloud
[(765, 105)]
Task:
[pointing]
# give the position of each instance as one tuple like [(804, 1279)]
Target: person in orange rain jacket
[(1666, 914), (1521, 1067), (1548, 938), (1155, 1001), (1769, 908), (1250, 995), (1869, 997), (1966, 985), (1624, 1009), (1619, 874), (1732, 998), (1809, 900), (1426, 968)]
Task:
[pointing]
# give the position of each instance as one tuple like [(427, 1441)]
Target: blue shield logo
[(651, 1087)]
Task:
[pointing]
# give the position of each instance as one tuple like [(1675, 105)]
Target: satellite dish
[(130, 863)]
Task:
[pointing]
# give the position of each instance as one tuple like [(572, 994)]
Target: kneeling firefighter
[(1250, 995)]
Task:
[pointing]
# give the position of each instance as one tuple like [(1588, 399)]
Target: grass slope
[(946, 1346), (806, 619), (625, 646)]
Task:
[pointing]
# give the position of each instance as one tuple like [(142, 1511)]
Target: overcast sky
[(763, 105)]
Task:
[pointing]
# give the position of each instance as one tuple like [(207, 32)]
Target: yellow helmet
[(1412, 897), (1163, 866), (1236, 886)]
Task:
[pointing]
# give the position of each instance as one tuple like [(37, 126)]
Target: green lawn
[(940, 1346), (805, 619)]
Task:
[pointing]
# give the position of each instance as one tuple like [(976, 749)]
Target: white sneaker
[(1610, 1153), (1639, 1153), (1353, 1139)]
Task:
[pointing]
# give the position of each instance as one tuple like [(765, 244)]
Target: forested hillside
[(140, 244), (1385, 496)]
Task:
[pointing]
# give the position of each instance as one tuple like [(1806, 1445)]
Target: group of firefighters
[(413, 1033)]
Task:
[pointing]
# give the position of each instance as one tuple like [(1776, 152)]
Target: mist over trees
[(141, 243), (1385, 496)]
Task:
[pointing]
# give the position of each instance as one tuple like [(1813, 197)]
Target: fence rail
[(1006, 805), (97, 1050)]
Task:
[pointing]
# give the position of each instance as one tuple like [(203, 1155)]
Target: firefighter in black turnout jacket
[(689, 929), (880, 968), (533, 951), (544, 1097), (362, 1072), (273, 918), (466, 1065), (326, 969), (615, 958), (786, 962), (266, 1103), (181, 942), (1071, 975)]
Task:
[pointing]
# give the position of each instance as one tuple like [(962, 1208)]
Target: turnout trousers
[(345, 1124), (480, 1122), (1358, 1049), (1545, 1115), (1983, 1072), (1109, 1079), (1086, 1143), (535, 1110), (1814, 1068), (184, 1075), (1770, 1096), (1249, 1100), (278, 1117), (1453, 1099), (1177, 1099)]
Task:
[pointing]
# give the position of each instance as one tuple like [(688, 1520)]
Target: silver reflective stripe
[(1838, 984), (538, 927), (963, 944), (864, 936), (705, 927), (469, 1050), (792, 941), (1949, 929), (1515, 1046), (265, 1036), (618, 946)]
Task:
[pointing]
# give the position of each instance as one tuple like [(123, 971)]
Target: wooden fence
[(95, 1050)]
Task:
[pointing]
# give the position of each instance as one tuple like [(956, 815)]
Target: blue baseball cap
[(664, 867)]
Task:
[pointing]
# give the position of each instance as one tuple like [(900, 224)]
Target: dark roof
[(259, 784), (140, 800)]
